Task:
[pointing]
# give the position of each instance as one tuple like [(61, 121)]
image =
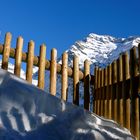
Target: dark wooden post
[(18, 56), (41, 71), (134, 94), (110, 92), (76, 80), (102, 93), (114, 97), (119, 91), (126, 91), (86, 85), (53, 72), (64, 85), (6, 51), (30, 61), (95, 90), (106, 92), (98, 93), (139, 89)]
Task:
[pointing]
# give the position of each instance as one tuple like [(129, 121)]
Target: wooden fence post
[(105, 91), (30, 59), (86, 85), (76, 80), (139, 69), (41, 71), (119, 91), (110, 92), (95, 90), (53, 71), (134, 94), (18, 56), (126, 91), (114, 97), (6, 51), (102, 93), (64, 85), (98, 91), (139, 89)]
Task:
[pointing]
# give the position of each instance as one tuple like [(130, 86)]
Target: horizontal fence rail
[(47, 64), (117, 91)]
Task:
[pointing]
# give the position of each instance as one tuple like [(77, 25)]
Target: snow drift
[(27, 112)]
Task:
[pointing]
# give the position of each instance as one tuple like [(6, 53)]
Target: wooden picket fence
[(43, 64), (117, 89)]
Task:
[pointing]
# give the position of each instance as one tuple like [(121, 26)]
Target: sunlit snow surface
[(27, 113)]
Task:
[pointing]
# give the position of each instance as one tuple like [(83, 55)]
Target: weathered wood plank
[(64, 85), (18, 56), (87, 85), (6, 51)]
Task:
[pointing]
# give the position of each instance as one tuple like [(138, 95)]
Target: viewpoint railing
[(117, 89), (43, 64)]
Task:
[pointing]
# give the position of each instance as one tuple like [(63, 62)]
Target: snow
[(27, 113)]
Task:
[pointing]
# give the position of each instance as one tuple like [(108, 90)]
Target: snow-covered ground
[(28, 113)]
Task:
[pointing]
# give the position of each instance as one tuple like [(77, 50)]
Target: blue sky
[(59, 23)]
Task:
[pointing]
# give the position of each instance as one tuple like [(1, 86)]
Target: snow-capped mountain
[(100, 50)]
